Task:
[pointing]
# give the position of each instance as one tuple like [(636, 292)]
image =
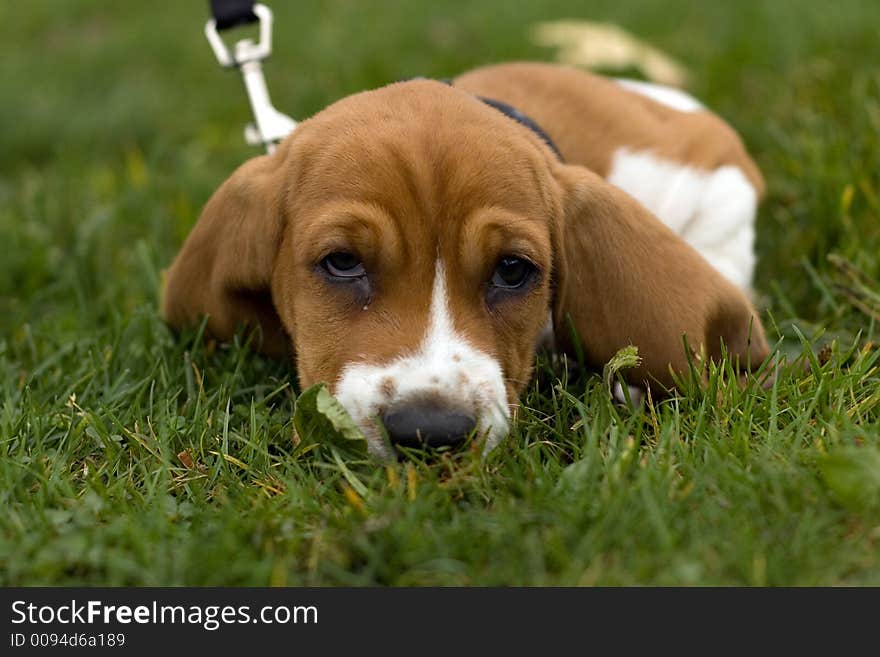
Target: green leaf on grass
[(319, 418), (853, 475), (624, 359), (577, 477)]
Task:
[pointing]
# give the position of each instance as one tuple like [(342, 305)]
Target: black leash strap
[(229, 13)]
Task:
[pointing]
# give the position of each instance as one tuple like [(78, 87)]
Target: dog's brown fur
[(418, 170), (589, 117)]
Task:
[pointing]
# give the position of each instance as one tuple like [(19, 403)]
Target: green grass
[(117, 126)]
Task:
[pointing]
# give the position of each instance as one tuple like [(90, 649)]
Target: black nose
[(425, 424)]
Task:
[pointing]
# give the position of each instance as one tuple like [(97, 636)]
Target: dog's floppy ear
[(622, 277), (224, 269)]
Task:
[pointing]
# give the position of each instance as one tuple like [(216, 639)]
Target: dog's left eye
[(343, 265), (511, 272)]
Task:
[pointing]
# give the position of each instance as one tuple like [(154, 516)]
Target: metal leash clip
[(270, 126)]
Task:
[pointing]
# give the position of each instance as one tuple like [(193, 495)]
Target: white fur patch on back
[(713, 211), (669, 96), (445, 367)]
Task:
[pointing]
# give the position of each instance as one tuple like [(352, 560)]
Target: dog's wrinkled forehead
[(425, 141)]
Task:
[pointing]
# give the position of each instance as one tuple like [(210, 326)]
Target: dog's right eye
[(343, 265)]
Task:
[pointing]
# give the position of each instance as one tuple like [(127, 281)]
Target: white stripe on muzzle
[(446, 368)]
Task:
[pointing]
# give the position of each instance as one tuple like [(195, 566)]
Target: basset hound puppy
[(407, 244)]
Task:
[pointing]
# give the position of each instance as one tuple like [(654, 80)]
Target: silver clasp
[(270, 126)]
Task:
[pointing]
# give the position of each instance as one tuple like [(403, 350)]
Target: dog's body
[(683, 163), (407, 245)]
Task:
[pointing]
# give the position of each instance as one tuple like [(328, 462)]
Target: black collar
[(511, 112)]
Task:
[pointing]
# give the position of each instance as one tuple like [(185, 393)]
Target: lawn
[(130, 456)]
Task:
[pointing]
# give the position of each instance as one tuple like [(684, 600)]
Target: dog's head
[(407, 245)]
